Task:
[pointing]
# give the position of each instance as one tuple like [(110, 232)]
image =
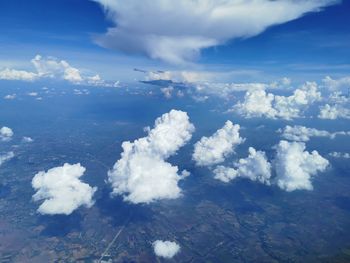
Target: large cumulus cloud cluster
[(51, 67), (176, 31), (294, 167), (259, 103), (61, 190), (142, 175)]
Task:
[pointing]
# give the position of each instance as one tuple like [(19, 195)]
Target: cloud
[(6, 134), (295, 167), (142, 175), (6, 157), (10, 96), (176, 31), (33, 94), (259, 103), (340, 155), (12, 74), (255, 167), (62, 190), (165, 249), (214, 149), (303, 134), (341, 84), (54, 68), (334, 112), (51, 67), (200, 84), (27, 140)]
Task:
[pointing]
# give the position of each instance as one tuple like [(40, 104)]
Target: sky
[(312, 44), (170, 96)]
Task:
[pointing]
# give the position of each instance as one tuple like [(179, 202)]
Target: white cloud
[(6, 157), (214, 149), (12, 74), (142, 175), (255, 167), (165, 249), (340, 155), (303, 134), (6, 134), (62, 190), (341, 84), (27, 139), (259, 103), (295, 167), (334, 112), (51, 67), (10, 97), (176, 31), (167, 92), (33, 94)]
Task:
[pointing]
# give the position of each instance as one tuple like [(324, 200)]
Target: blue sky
[(312, 46)]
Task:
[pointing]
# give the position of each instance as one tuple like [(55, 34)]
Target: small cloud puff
[(165, 249), (340, 155), (62, 190), (10, 97), (27, 140), (142, 175), (6, 134), (6, 157), (214, 149)]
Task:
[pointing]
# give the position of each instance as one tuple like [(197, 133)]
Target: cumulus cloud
[(340, 85), (51, 67), (334, 112), (62, 190), (201, 84), (176, 31), (340, 155), (295, 167), (259, 103), (214, 149), (142, 175), (13, 74), (255, 167), (27, 139), (303, 134), (10, 96), (6, 134), (165, 249), (6, 157)]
